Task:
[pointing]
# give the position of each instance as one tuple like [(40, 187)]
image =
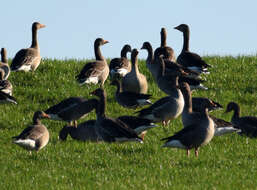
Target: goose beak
[(46, 116), (105, 41), (42, 26), (176, 28)]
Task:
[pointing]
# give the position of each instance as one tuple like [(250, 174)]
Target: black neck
[(100, 110), (4, 57), (123, 53), (186, 40), (163, 39), (34, 43), (150, 54), (36, 121), (188, 100), (236, 112)]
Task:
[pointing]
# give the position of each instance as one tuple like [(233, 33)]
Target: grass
[(228, 162)]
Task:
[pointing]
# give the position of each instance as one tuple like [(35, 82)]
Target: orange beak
[(42, 26), (105, 41)]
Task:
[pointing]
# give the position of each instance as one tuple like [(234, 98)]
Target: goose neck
[(186, 40), (100, 109), (163, 39), (98, 54), (188, 101), (34, 43)]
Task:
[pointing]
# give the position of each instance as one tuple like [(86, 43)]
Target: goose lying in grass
[(35, 136), (109, 129), (247, 124)]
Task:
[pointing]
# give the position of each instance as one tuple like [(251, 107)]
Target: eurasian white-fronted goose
[(166, 108), (188, 59), (34, 137), (97, 71), (28, 59), (193, 136), (111, 130), (139, 125), (5, 85), (71, 109), (167, 51), (4, 64), (247, 124), (134, 81), (222, 127), (119, 67), (6, 98), (84, 132), (130, 99)]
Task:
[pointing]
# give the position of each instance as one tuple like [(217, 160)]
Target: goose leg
[(188, 152), (75, 123), (70, 123), (196, 152)]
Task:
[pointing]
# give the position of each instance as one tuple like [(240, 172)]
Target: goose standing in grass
[(71, 109), (139, 125), (188, 59), (168, 52), (167, 108), (119, 67), (111, 130), (134, 81), (97, 71), (222, 127), (130, 99), (34, 137), (6, 98), (4, 64), (84, 132), (5, 85), (198, 131), (247, 124), (28, 59)]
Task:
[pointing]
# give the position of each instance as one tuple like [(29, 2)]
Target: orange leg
[(196, 152)]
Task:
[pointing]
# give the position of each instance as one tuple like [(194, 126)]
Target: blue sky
[(221, 27)]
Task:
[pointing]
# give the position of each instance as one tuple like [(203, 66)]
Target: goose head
[(100, 41), (146, 46), (37, 25), (232, 106), (182, 28)]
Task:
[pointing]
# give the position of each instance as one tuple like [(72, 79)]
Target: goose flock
[(176, 77)]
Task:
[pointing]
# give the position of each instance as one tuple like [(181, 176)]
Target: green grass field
[(228, 162)]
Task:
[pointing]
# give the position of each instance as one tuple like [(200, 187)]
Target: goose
[(97, 71), (167, 108), (134, 81), (139, 125), (109, 129), (84, 132), (5, 85), (247, 124), (119, 67), (194, 135), (130, 99), (34, 137), (168, 52), (71, 109), (221, 126), (189, 59), (28, 59), (6, 98), (4, 64)]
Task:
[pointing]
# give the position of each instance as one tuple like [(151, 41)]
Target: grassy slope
[(228, 162)]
